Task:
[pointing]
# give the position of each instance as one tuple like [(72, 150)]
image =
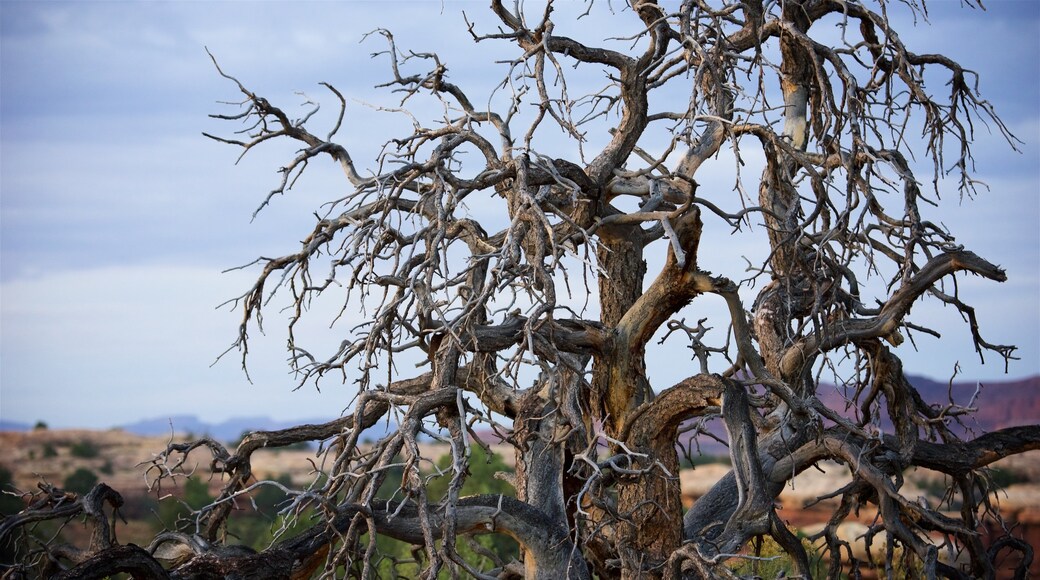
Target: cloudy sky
[(118, 216)]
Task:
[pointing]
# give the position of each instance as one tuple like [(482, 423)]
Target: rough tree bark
[(507, 342)]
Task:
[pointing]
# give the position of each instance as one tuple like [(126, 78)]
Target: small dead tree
[(514, 337)]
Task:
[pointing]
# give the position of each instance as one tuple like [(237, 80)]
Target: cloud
[(132, 342), (117, 214)]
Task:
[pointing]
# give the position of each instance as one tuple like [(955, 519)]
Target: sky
[(117, 217)]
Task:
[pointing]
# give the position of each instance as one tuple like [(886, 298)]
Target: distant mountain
[(229, 430), (14, 426), (1000, 404)]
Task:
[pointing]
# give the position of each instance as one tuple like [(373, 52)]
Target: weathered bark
[(652, 489), (618, 380), (648, 499), (129, 559), (549, 427)]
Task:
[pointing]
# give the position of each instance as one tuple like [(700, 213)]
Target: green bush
[(397, 556), (9, 504), (767, 560), (268, 498), (1003, 478), (695, 460), (84, 449), (258, 528), (81, 481), (49, 450), (174, 511), (481, 478)]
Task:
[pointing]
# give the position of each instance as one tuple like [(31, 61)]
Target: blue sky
[(118, 216)]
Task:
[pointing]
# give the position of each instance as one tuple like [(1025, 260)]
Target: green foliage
[(81, 481), (1003, 478), (695, 460), (269, 497), (299, 446), (933, 486), (196, 493), (84, 449), (256, 528), (480, 480), (9, 504), (392, 484), (40, 426), (106, 468), (139, 507), (259, 532), (49, 450), (768, 560), (174, 512)]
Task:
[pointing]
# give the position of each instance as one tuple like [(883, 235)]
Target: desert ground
[(121, 460)]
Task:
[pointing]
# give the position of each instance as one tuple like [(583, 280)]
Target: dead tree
[(538, 330)]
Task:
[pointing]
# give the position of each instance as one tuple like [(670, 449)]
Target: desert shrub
[(9, 504), (765, 559), (84, 449), (81, 481), (695, 460), (174, 511), (1003, 478)]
